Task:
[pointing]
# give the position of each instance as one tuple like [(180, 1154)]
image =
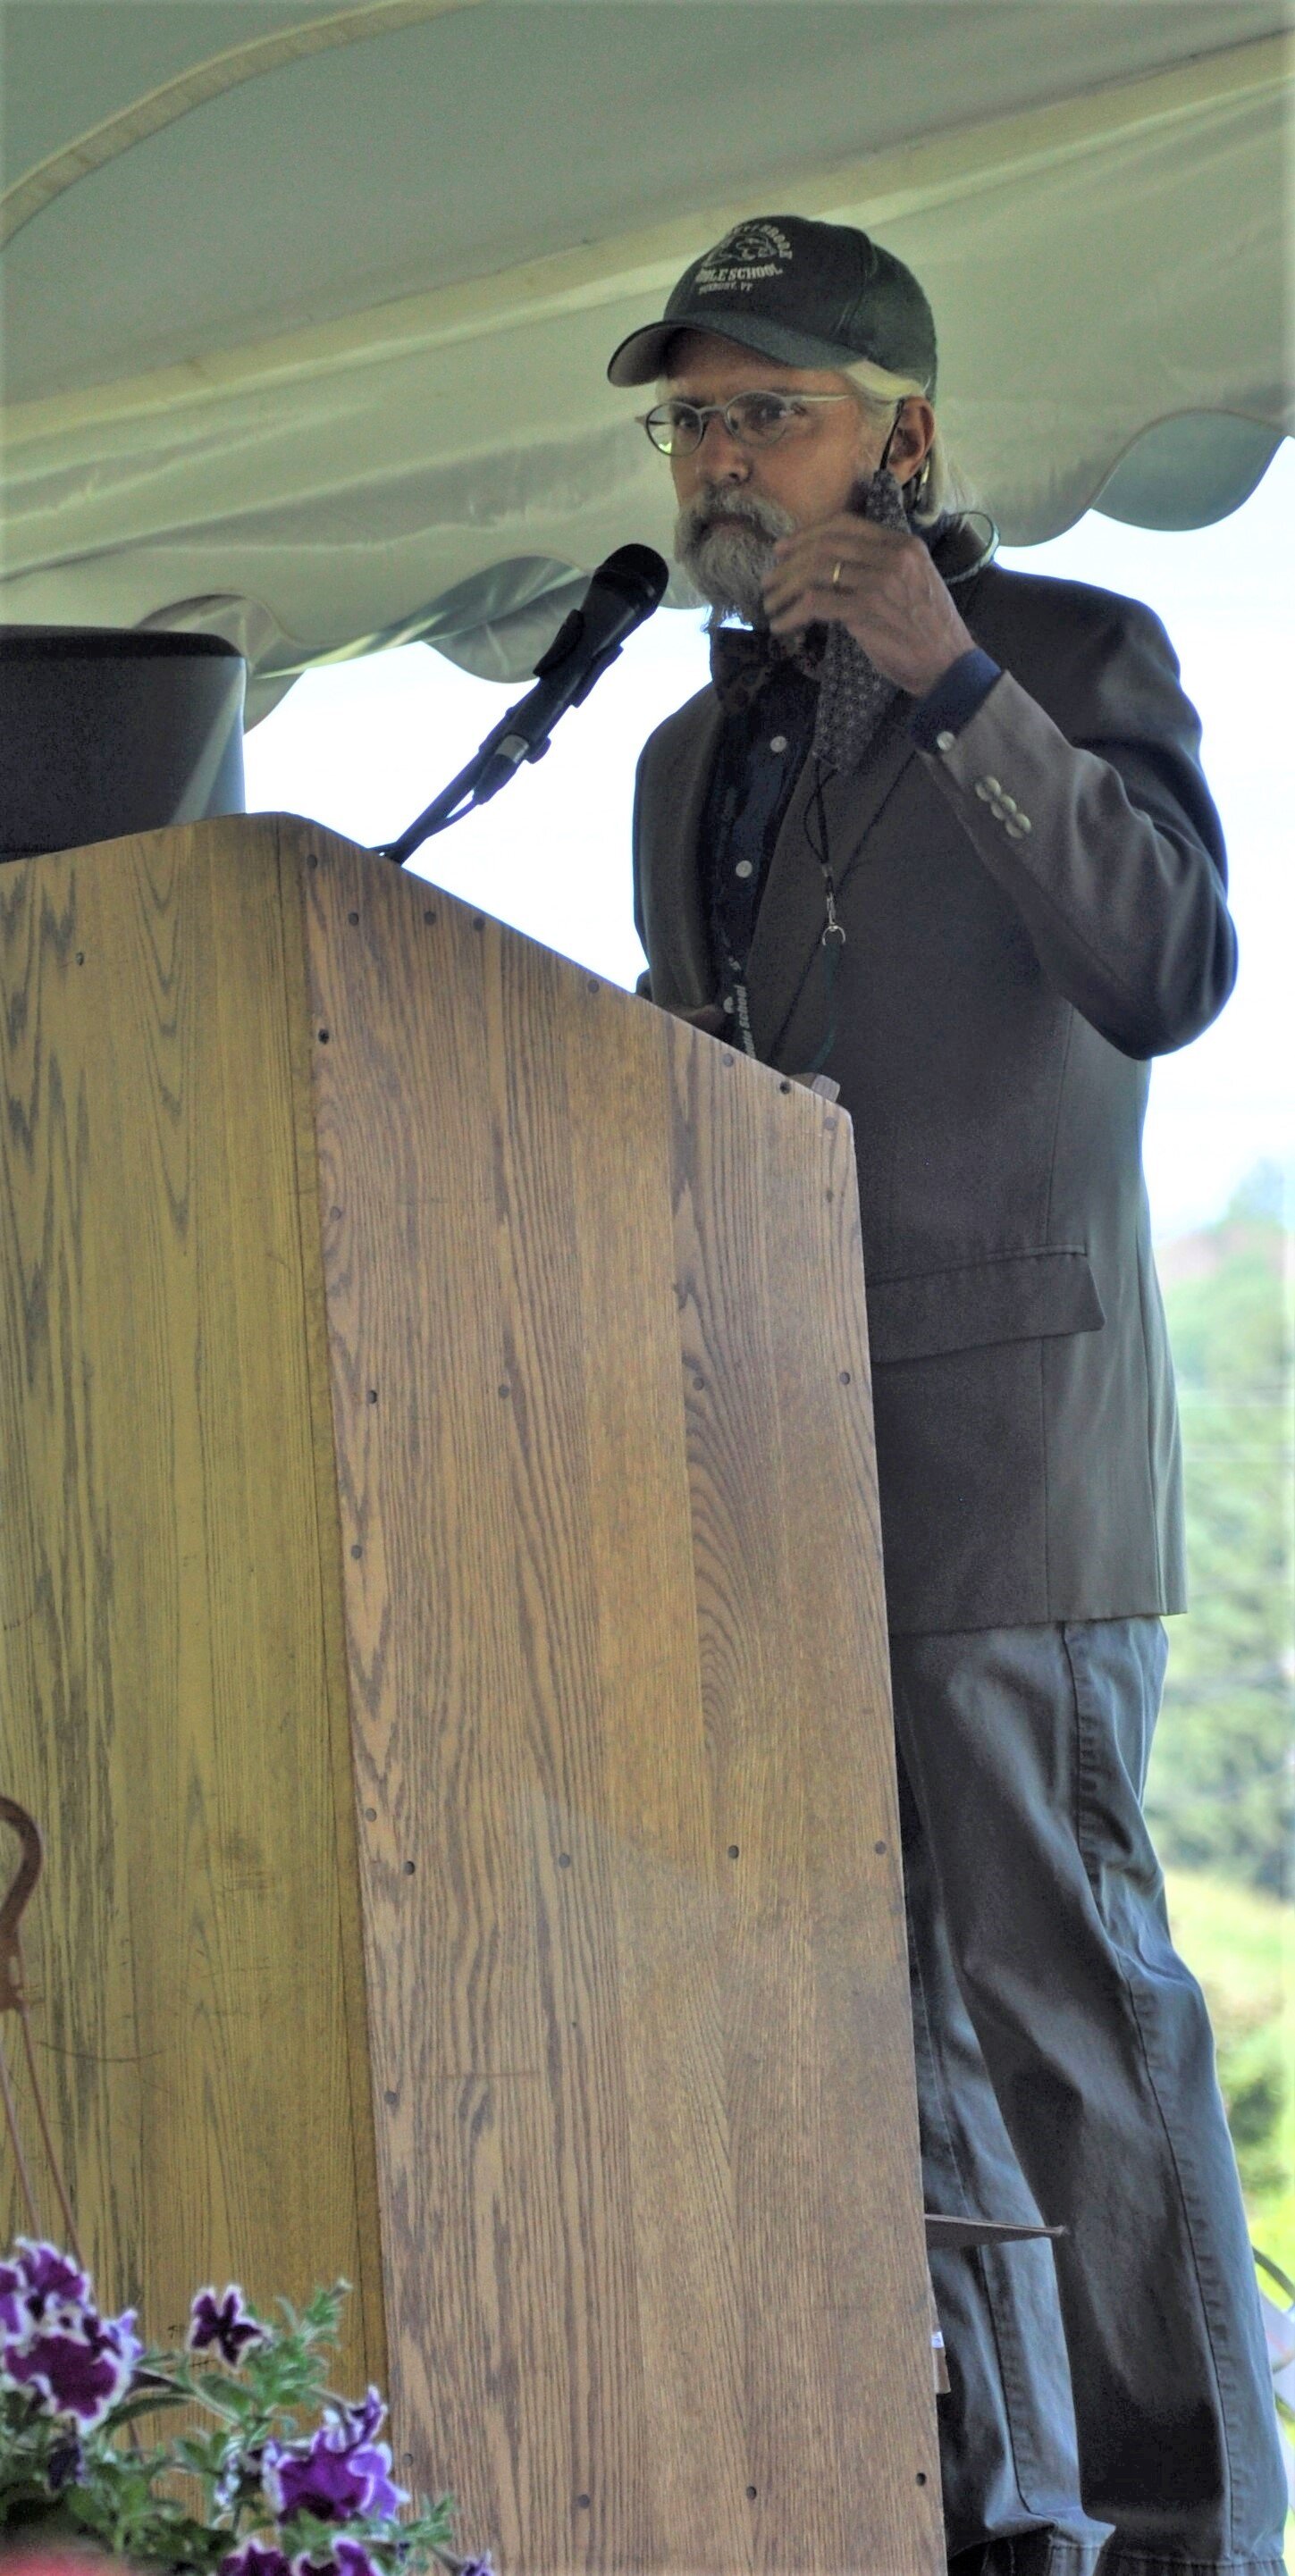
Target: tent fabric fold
[(1109, 271)]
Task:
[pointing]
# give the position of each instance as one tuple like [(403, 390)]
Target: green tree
[(1219, 1796)]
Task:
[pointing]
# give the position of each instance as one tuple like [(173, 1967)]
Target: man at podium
[(939, 830)]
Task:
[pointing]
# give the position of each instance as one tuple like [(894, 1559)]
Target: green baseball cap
[(808, 294)]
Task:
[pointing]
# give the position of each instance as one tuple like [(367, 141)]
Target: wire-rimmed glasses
[(677, 428)]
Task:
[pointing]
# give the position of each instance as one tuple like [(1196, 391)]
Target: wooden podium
[(441, 1636)]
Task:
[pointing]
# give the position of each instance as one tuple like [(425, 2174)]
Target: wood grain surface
[(172, 1691), (646, 2140)]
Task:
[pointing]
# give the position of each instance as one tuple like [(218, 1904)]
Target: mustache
[(728, 509), (724, 540)]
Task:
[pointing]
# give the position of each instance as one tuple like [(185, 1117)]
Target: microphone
[(624, 590), (622, 593)]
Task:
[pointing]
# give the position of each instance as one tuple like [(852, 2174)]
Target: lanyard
[(832, 940)]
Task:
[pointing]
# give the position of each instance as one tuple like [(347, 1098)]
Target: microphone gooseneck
[(622, 593)]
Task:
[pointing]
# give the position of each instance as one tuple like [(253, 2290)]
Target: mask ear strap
[(884, 459), (917, 483)]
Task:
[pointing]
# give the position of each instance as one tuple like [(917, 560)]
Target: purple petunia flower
[(345, 2558), (65, 2464), (54, 2341), (51, 2274), (362, 2422), (352, 2560), (38, 2278), (227, 2321), (81, 2369), (254, 2559), (12, 2317), (240, 2477), (341, 2471)]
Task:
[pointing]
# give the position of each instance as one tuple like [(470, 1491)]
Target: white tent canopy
[(306, 313)]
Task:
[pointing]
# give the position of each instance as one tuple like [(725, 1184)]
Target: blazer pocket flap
[(1013, 1297)]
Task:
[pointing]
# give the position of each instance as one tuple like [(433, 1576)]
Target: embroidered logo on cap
[(750, 253)]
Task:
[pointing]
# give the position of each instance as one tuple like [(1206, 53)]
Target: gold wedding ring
[(836, 574)]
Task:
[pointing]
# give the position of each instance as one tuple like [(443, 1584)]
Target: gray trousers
[(1118, 2392)]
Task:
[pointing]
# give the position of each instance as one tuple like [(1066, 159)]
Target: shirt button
[(728, 1001), (945, 741), (778, 742), (987, 788), (998, 811), (743, 868), (1017, 826)]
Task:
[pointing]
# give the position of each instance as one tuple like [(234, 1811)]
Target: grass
[(1241, 1946)]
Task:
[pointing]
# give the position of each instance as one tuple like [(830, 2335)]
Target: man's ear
[(914, 432)]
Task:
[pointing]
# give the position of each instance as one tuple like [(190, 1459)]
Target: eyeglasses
[(752, 420)]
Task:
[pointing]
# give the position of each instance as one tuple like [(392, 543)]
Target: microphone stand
[(512, 741), (454, 801), (621, 593)]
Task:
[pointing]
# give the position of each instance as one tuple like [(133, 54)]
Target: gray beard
[(724, 542)]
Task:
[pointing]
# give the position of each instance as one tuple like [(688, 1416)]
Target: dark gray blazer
[(997, 1000)]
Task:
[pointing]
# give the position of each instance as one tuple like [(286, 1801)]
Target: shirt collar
[(744, 658)]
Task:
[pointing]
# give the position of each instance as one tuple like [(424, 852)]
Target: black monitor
[(106, 731)]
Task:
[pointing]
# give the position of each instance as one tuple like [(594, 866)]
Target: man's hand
[(710, 1017), (878, 583)]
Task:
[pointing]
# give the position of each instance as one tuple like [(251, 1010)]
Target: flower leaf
[(152, 2403)]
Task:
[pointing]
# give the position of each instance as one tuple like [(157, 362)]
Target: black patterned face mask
[(853, 696)]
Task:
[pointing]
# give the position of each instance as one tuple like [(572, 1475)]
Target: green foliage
[(1241, 1945), (1220, 1792)]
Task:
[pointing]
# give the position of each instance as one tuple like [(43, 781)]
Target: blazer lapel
[(788, 933), (677, 938)]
